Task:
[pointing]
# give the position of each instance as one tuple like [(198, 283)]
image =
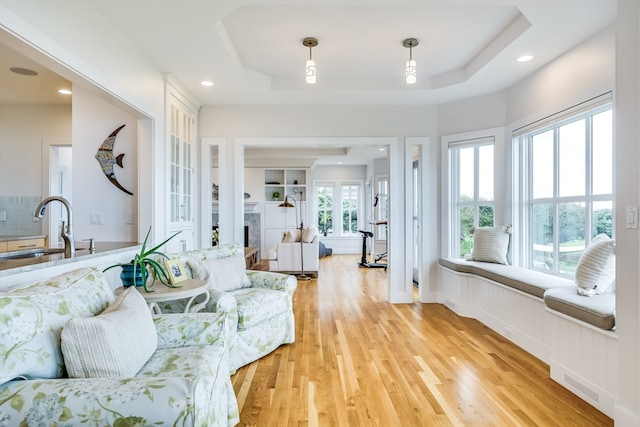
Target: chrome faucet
[(67, 232)]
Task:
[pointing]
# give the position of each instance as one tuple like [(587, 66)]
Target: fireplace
[(246, 236)]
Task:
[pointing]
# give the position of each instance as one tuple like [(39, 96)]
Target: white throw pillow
[(308, 234), (596, 269), (223, 274), (490, 244), (292, 236), (114, 344)]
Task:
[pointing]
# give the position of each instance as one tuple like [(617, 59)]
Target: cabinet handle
[(28, 246), (184, 245)]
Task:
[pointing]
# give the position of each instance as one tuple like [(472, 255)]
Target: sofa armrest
[(187, 329), (273, 280), (223, 303), (119, 402)]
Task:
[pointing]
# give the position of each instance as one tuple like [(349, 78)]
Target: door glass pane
[(542, 236), (325, 210), (602, 153), (571, 231), (466, 224), (571, 161), (349, 209), (485, 172), (602, 218), (542, 165), (466, 172)]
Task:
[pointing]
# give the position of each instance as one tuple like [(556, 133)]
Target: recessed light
[(64, 91), (525, 58), (339, 163), (23, 71), (206, 83), (381, 149)]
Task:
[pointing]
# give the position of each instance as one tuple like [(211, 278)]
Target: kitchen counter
[(16, 266), (7, 238)]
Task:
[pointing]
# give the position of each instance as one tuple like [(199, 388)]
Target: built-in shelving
[(278, 184)]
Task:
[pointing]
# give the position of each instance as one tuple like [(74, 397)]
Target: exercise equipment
[(363, 261)]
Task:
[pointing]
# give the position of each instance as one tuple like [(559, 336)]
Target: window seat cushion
[(598, 310), (532, 282)]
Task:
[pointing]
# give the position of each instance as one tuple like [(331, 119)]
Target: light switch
[(632, 217), (3, 216), (129, 218), (96, 218)]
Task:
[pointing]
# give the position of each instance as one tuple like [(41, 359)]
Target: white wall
[(586, 71), (481, 112), (323, 121), (93, 121), (627, 140), (94, 59), (22, 131)]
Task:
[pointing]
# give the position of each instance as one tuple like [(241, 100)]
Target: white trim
[(205, 220), (493, 136), (567, 113)]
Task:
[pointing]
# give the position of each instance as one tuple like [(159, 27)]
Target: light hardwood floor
[(360, 361)]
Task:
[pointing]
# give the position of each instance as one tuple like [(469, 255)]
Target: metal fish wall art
[(106, 159)]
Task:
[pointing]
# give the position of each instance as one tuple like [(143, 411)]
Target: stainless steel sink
[(31, 253)]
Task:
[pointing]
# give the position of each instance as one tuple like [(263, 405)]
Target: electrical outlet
[(96, 218), (129, 218)]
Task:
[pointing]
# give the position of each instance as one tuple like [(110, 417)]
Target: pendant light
[(410, 67), (310, 64)]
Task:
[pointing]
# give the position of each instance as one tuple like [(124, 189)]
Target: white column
[(627, 147)]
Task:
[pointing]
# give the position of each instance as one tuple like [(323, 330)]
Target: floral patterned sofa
[(258, 304), (185, 381)]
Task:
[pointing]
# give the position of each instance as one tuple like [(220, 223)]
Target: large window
[(568, 188), (472, 188), (338, 207)]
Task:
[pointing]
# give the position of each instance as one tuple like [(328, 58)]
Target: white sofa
[(285, 256), (185, 380)]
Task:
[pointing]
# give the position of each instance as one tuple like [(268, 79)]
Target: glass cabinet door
[(181, 165)]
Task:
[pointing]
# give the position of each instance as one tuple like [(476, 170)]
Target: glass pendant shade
[(310, 70), (410, 72)]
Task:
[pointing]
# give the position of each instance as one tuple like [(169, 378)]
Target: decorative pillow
[(490, 244), (223, 274), (114, 344), (308, 234), (292, 236), (596, 269)]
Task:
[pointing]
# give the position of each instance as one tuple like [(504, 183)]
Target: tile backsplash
[(16, 216)]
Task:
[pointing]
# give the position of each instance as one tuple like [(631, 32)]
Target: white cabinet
[(181, 161)]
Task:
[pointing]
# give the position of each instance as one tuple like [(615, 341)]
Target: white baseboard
[(585, 389)]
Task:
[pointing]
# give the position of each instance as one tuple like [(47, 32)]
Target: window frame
[(524, 140), (453, 149), (337, 209)]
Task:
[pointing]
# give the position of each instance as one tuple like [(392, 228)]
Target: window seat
[(545, 316), (532, 282), (598, 310), (558, 293)]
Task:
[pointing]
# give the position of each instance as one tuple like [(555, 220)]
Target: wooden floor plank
[(360, 361)]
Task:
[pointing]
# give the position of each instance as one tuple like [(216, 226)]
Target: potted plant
[(275, 195), (137, 271)]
